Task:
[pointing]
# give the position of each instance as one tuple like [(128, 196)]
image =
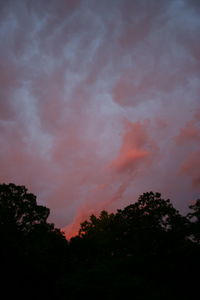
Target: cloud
[(191, 168), (97, 102), (191, 132), (136, 149)]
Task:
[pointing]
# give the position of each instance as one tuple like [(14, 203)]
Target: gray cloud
[(72, 74)]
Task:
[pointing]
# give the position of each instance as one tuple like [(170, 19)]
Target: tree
[(98, 233), (151, 224), (33, 252), (194, 217), (145, 226), (144, 244), (19, 210)]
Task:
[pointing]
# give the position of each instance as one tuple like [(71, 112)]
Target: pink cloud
[(71, 74), (136, 148), (189, 133), (191, 168)]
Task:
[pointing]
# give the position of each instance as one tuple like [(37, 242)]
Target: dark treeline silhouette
[(147, 250)]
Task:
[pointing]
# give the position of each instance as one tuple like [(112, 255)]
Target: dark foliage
[(32, 250), (147, 250)]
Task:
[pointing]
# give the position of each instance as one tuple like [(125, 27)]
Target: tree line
[(147, 250)]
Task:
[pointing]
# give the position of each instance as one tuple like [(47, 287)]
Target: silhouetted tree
[(33, 252), (194, 217), (99, 233), (150, 223), (144, 244), (147, 244), (145, 226), (19, 210)]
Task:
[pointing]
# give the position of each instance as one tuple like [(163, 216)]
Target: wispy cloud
[(99, 101)]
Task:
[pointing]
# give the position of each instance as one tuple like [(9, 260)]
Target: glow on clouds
[(99, 102)]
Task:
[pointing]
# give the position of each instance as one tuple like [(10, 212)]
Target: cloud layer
[(99, 102)]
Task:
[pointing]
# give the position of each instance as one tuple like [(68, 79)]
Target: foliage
[(194, 216), (145, 226), (18, 208), (32, 250), (146, 244)]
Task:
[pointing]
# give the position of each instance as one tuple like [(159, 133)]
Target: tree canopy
[(146, 244), (32, 250), (19, 210), (146, 225)]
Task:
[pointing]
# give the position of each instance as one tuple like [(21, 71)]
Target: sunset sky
[(100, 102)]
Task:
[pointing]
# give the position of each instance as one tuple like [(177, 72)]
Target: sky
[(100, 102)]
